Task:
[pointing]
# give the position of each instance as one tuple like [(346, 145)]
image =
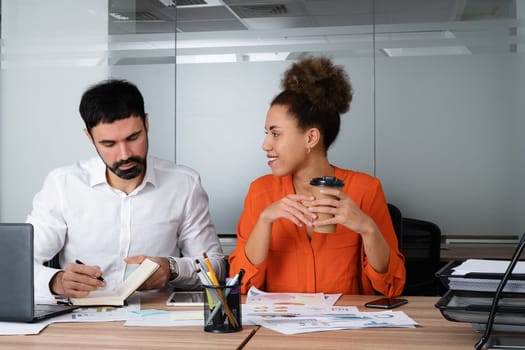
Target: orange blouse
[(329, 263)]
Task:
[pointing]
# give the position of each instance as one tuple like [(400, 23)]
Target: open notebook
[(16, 276), (118, 296)]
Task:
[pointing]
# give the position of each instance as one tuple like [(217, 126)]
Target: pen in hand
[(100, 278)]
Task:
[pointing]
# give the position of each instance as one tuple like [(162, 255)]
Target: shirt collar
[(150, 176), (97, 172)]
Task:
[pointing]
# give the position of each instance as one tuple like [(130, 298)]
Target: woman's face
[(285, 144)]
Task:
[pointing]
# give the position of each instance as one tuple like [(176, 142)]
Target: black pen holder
[(222, 309)]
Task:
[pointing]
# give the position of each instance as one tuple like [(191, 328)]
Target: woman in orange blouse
[(277, 242)]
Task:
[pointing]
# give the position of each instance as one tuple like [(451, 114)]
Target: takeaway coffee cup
[(318, 184)]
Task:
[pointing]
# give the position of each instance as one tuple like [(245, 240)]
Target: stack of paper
[(487, 267), (292, 313)]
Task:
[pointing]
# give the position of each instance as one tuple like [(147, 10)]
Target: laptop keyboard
[(44, 309)]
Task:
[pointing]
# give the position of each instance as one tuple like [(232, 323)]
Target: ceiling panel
[(157, 16)]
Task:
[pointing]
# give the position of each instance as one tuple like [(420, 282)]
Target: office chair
[(397, 220), (421, 244)]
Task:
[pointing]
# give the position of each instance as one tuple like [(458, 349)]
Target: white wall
[(46, 67), (519, 148), (220, 124), (518, 135), (519, 129), (44, 72), (445, 135)]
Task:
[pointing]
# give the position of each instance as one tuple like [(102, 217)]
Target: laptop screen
[(16, 274)]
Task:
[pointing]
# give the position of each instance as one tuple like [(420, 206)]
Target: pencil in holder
[(222, 309)]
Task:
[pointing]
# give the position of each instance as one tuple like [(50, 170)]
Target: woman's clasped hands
[(305, 209)]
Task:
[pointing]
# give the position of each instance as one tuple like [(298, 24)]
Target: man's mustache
[(127, 161)]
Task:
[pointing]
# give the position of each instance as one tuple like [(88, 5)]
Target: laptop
[(16, 276)]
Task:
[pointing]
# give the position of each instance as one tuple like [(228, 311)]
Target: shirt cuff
[(43, 276), (188, 278)]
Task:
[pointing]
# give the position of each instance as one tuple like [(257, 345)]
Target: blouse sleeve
[(390, 283), (254, 274)]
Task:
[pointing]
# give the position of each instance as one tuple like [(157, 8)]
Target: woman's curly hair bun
[(326, 85)]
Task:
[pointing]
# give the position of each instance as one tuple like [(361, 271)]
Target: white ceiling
[(162, 16), (249, 30)]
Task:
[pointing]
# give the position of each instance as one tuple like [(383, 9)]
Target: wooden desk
[(433, 332), (456, 251), (113, 335)]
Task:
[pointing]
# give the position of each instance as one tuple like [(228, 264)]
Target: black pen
[(100, 278)]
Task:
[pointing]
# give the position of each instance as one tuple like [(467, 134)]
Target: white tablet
[(186, 298)]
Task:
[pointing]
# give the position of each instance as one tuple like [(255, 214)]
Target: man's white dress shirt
[(78, 215)]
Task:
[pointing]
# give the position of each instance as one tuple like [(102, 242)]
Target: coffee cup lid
[(328, 181)]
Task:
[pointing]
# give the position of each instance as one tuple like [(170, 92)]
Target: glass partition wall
[(447, 114), (436, 115), (52, 51), (227, 78)]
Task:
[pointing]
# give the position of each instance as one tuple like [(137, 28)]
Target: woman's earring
[(308, 149)]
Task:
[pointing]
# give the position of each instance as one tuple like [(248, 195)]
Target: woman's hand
[(294, 207), (344, 210)]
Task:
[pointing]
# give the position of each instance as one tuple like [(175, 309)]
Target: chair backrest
[(397, 220), (421, 245)]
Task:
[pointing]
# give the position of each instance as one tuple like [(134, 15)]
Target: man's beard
[(131, 173)]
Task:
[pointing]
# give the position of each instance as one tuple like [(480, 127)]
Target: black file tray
[(445, 273), (474, 308)]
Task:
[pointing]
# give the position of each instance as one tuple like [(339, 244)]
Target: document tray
[(474, 307)]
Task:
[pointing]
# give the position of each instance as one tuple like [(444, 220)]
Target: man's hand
[(77, 280), (160, 278)]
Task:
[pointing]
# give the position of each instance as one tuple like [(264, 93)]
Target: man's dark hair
[(111, 100)]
